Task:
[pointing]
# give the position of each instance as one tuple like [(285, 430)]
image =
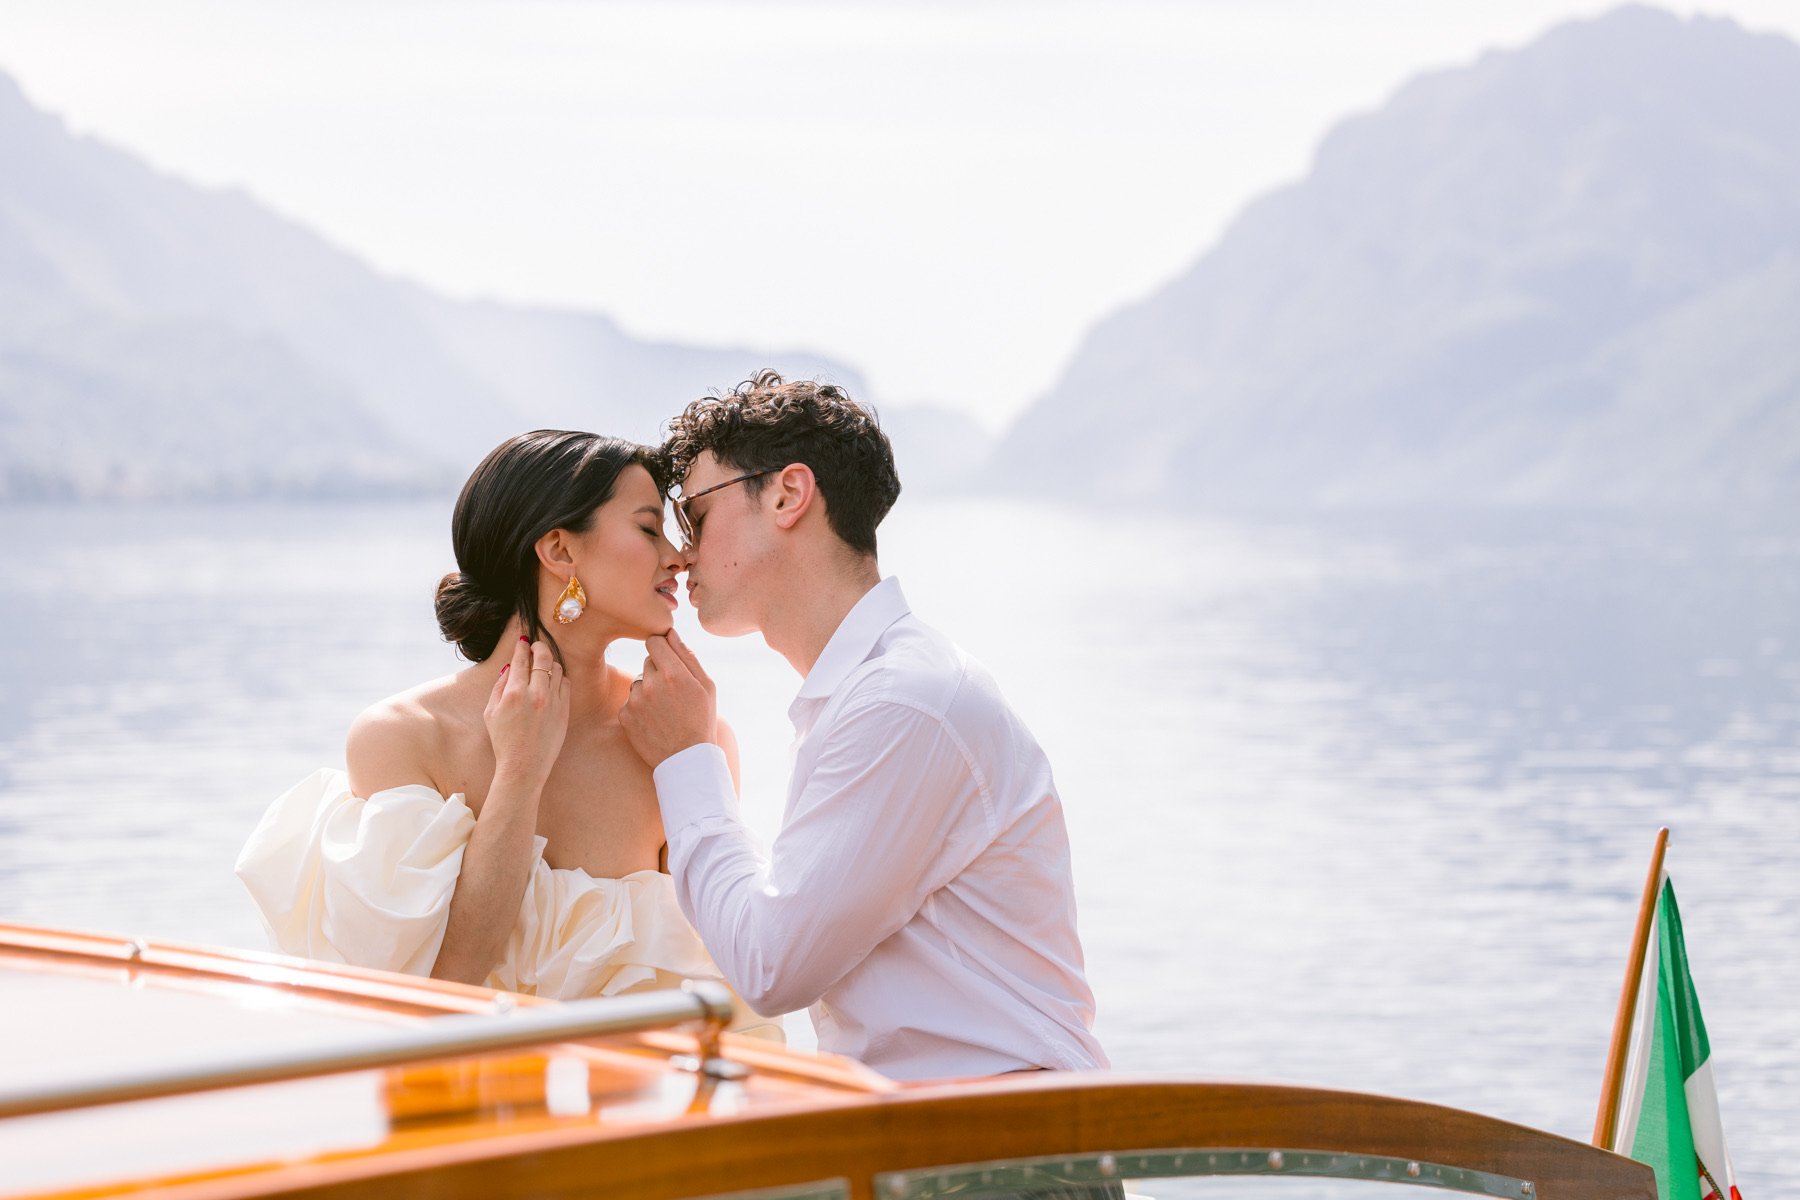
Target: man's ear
[(554, 551), (796, 493)]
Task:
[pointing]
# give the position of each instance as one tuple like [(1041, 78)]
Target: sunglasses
[(686, 523)]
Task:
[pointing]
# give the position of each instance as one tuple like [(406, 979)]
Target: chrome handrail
[(457, 1036)]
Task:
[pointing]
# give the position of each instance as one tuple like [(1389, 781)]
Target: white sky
[(944, 194)]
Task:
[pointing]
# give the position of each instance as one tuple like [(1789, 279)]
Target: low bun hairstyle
[(468, 617), (527, 486)]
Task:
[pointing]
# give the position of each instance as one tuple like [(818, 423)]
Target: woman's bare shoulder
[(403, 739), (727, 739), (726, 735)]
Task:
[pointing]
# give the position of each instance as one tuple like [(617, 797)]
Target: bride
[(495, 826)]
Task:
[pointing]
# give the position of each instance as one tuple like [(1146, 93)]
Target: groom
[(918, 896)]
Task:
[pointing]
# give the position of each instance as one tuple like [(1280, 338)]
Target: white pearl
[(570, 609)]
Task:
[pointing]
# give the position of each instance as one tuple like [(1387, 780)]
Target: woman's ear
[(555, 552), (796, 491)]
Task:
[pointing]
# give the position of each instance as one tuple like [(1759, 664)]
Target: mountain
[(159, 340), (1565, 274)]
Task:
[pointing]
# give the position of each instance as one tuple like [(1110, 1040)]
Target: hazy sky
[(944, 194)]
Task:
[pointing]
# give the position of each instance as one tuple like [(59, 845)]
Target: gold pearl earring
[(572, 603)]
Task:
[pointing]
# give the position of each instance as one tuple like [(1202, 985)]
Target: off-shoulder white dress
[(368, 882)]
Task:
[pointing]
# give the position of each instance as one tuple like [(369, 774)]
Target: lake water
[(1361, 802)]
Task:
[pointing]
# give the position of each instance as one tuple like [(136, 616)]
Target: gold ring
[(545, 670)]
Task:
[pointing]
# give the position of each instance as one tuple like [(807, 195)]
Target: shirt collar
[(856, 635)]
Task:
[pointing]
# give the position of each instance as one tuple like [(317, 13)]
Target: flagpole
[(1614, 1080)]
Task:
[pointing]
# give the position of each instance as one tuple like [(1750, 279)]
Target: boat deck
[(161, 1069)]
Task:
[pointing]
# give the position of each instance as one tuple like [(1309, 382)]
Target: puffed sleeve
[(366, 882)]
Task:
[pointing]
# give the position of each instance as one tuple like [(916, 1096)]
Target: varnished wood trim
[(918, 1128), (380, 989)]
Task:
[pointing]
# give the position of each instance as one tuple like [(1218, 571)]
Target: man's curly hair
[(766, 423)]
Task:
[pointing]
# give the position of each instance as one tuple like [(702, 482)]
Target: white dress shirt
[(918, 897)]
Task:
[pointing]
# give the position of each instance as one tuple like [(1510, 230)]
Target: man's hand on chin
[(673, 705)]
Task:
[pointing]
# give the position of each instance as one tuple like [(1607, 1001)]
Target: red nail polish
[(506, 668), (524, 639)]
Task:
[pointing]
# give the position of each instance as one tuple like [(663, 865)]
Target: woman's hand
[(527, 715)]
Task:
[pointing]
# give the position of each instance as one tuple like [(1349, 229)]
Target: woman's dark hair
[(765, 423), (539, 481)]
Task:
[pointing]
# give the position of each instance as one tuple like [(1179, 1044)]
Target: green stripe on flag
[(1664, 1132), (1690, 1030)]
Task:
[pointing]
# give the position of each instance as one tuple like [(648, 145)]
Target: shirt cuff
[(694, 784)]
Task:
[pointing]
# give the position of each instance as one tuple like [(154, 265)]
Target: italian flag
[(1669, 1111)]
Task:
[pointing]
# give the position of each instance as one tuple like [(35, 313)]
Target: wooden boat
[(161, 1069)]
